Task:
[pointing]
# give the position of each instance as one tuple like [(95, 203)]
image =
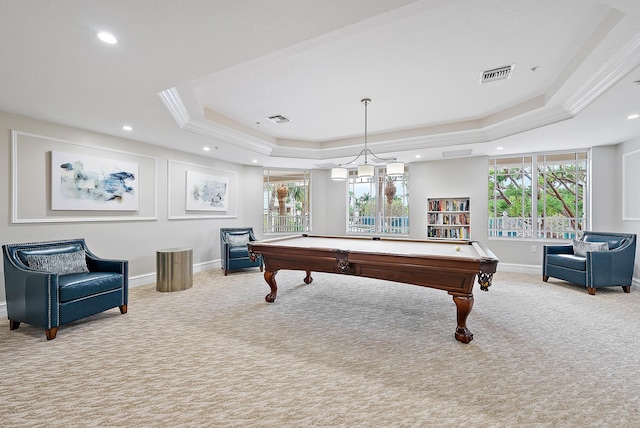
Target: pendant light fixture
[(395, 168)]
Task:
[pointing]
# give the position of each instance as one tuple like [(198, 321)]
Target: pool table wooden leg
[(308, 279), (270, 277), (463, 305)]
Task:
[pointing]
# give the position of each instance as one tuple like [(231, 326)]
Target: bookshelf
[(448, 218)]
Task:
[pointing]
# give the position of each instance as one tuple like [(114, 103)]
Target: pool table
[(446, 265)]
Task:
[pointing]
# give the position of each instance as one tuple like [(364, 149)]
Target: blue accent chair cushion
[(233, 249), (598, 259), (48, 284)]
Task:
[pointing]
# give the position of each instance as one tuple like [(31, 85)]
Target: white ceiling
[(193, 73)]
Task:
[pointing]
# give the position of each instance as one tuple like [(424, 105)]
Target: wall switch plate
[(534, 248)]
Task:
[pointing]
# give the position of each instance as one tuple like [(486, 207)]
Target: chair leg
[(123, 309), (626, 288), (51, 333), (545, 278), (13, 325), (591, 290)]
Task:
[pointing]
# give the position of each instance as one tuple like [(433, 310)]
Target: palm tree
[(282, 192), (389, 193)]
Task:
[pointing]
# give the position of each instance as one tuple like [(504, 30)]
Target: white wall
[(604, 216), (333, 208), (606, 202), (450, 178), (632, 179), (136, 241), (468, 177), (319, 201), (252, 197)]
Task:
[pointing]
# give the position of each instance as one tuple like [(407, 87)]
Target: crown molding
[(397, 143), (620, 64), (172, 100), (468, 132)]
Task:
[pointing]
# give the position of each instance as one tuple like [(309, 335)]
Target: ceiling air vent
[(456, 153), (278, 118), (500, 73)]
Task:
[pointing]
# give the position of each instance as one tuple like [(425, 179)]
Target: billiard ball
[(457, 248)]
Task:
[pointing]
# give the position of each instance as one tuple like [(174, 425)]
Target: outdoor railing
[(390, 225), (512, 227), (275, 223), (546, 228)]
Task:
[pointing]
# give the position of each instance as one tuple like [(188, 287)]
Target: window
[(558, 184), (286, 201), (378, 205)]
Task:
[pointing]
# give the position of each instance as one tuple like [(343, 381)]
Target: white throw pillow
[(238, 239), (580, 248)]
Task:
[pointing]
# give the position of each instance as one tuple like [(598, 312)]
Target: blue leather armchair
[(234, 251), (596, 269), (48, 284)]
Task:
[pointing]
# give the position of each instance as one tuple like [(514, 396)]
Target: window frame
[(538, 163), (379, 223), (287, 222)]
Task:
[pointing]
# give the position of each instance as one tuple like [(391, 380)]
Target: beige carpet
[(343, 351)]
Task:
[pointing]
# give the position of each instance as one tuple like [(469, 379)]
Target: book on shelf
[(448, 205), (448, 218)]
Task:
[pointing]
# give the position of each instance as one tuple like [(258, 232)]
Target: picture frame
[(205, 192), (31, 177), (90, 183), (184, 175)]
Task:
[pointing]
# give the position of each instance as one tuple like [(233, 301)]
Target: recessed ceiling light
[(633, 116), (107, 38), (206, 149), (417, 156), (499, 148), (255, 161), (127, 128)]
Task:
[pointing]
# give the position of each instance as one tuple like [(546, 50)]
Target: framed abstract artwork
[(81, 182), (197, 191), (206, 192)]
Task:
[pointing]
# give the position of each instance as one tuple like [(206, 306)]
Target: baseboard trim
[(516, 268), (537, 270), (144, 279), (150, 278)]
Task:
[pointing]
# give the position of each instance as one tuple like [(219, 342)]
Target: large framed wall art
[(61, 181), (197, 191), (80, 182)]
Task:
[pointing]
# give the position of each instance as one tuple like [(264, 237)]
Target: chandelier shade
[(365, 170), (395, 168), (339, 173)]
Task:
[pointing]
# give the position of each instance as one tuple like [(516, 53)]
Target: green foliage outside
[(561, 189), (393, 204)]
